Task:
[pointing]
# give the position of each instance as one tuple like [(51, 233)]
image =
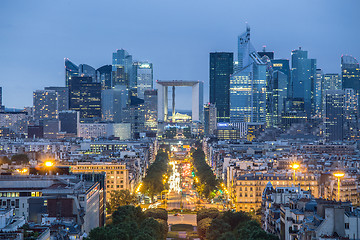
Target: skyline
[(40, 34)]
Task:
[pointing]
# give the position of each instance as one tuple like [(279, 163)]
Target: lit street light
[(338, 175), (295, 166)]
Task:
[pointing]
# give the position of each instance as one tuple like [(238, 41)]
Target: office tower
[(143, 74), (113, 101), (263, 53), (63, 97), (51, 128), (332, 81), (334, 123), (104, 76), (248, 85), (210, 123), (283, 65), (69, 121), (303, 72), (150, 108), (319, 76), (280, 85), (70, 70), (87, 71), (85, 97), (350, 73), (45, 104), (351, 126), (134, 114), (122, 68), (221, 67)]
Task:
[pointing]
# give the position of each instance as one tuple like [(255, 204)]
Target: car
[(176, 214)]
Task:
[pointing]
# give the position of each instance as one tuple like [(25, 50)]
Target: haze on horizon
[(176, 36)]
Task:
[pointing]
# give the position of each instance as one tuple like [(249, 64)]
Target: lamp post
[(295, 166), (49, 164), (338, 175)]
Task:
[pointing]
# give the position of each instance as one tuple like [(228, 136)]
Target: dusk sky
[(176, 36)]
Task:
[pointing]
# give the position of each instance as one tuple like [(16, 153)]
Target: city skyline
[(43, 34)]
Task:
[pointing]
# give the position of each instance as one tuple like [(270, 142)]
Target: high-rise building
[(143, 74), (318, 92), (122, 68), (87, 71), (150, 109), (134, 114), (332, 81), (280, 85), (248, 85), (104, 76), (85, 97), (351, 126), (350, 73), (45, 104), (210, 120), (270, 116), (221, 67), (70, 70), (113, 101), (69, 122), (63, 97), (303, 72), (334, 111)]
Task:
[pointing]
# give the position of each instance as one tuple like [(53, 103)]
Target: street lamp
[(295, 166), (49, 164), (338, 175)]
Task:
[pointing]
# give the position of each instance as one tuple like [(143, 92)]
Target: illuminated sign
[(223, 124), (277, 65)]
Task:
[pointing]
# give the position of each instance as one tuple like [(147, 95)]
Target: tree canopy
[(131, 223), (120, 198)]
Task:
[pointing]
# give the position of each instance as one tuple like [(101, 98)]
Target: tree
[(157, 213), (120, 198), (20, 159), (217, 227), (203, 226), (5, 160), (207, 213)]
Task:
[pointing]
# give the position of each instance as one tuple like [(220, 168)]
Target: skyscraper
[(350, 73), (143, 74), (351, 125), (318, 84), (280, 85), (303, 72), (63, 97), (45, 104), (85, 97), (150, 110), (122, 68), (104, 76), (87, 71), (334, 104), (113, 101), (248, 84), (210, 123), (221, 67), (70, 70), (69, 122), (332, 81), (283, 65)]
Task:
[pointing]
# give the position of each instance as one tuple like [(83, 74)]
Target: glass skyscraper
[(71, 69), (143, 74), (221, 67), (85, 97), (350, 73), (104, 76), (334, 111), (113, 101), (303, 72), (318, 84), (122, 68), (248, 84)]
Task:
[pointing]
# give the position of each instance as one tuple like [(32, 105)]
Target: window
[(346, 225), (16, 203)]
